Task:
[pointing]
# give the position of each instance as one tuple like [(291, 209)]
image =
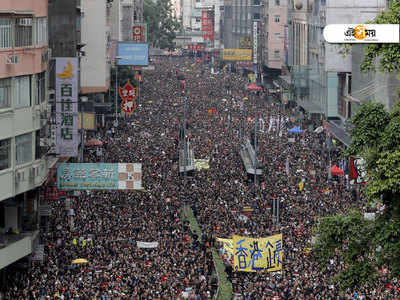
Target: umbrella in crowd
[(335, 170), (94, 143)]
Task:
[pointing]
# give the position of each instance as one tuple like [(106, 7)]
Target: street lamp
[(116, 90)]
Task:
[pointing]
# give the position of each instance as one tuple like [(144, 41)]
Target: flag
[(353, 170), (301, 186)]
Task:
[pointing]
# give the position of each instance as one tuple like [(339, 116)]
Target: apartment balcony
[(16, 246)]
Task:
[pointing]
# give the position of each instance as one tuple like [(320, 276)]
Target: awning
[(340, 133)]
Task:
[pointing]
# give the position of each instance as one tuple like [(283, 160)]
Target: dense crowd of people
[(221, 113)]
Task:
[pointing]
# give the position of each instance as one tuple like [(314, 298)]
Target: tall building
[(319, 70), (95, 35), (23, 124)]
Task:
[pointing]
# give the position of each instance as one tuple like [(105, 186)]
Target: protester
[(108, 224)]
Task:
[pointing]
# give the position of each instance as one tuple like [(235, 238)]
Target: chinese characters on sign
[(139, 33), (254, 254), (196, 47), (207, 24), (67, 106), (100, 176), (128, 95)]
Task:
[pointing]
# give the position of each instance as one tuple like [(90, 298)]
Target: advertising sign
[(128, 95), (255, 42), (207, 24), (196, 47), (236, 54), (139, 32), (132, 54), (67, 106), (88, 121), (361, 33), (245, 42), (99, 176)]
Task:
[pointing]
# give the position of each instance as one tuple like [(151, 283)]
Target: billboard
[(132, 54), (99, 176), (88, 121), (207, 24), (245, 42), (196, 47), (139, 33), (255, 41), (67, 106), (236, 54)]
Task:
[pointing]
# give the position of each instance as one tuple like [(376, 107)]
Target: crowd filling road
[(108, 224)]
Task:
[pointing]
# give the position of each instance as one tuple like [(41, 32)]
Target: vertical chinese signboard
[(139, 32), (286, 44), (207, 24), (128, 95), (67, 106), (255, 42)]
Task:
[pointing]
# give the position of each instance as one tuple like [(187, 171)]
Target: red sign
[(139, 33), (207, 24), (128, 94), (196, 47)]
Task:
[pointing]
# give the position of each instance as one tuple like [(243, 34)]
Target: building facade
[(23, 124), (319, 72)]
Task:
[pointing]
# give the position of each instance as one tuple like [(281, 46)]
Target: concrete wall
[(38, 7), (63, 28), (94, 67)]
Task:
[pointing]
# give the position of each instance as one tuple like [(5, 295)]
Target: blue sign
[(87, 176), (132, 54)]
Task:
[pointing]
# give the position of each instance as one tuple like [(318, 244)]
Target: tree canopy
[(388, 54), (364, 246), (162, 24)]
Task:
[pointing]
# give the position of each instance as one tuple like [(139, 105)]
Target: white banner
[(67, 106), (147, 244), (255, 41), (361, 33)]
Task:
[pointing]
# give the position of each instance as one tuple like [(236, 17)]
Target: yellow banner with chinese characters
[(237, 54), (258, 254), (201, 164), (228, 245)]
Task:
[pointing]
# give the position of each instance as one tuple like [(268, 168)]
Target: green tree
[(388, 53), (162, 24), (365, 245)]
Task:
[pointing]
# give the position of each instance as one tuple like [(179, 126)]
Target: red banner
[(196, 47), (139, 33), (207, 24), (128, 94)]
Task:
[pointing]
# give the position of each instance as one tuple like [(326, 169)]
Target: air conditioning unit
[(25, 22), (11, 59), (19, 176)]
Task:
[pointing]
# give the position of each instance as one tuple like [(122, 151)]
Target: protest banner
[(228, 245), (255, 254)]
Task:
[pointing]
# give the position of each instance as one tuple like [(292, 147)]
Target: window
[(5, 93), (23, 149), (23, 32), (277, 54), (5, 33), (22, 91), (277, 36), (198, 19), (40, 31), (40, 88), (5, 154), (277, 18), (256, 16), (277, 2)]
